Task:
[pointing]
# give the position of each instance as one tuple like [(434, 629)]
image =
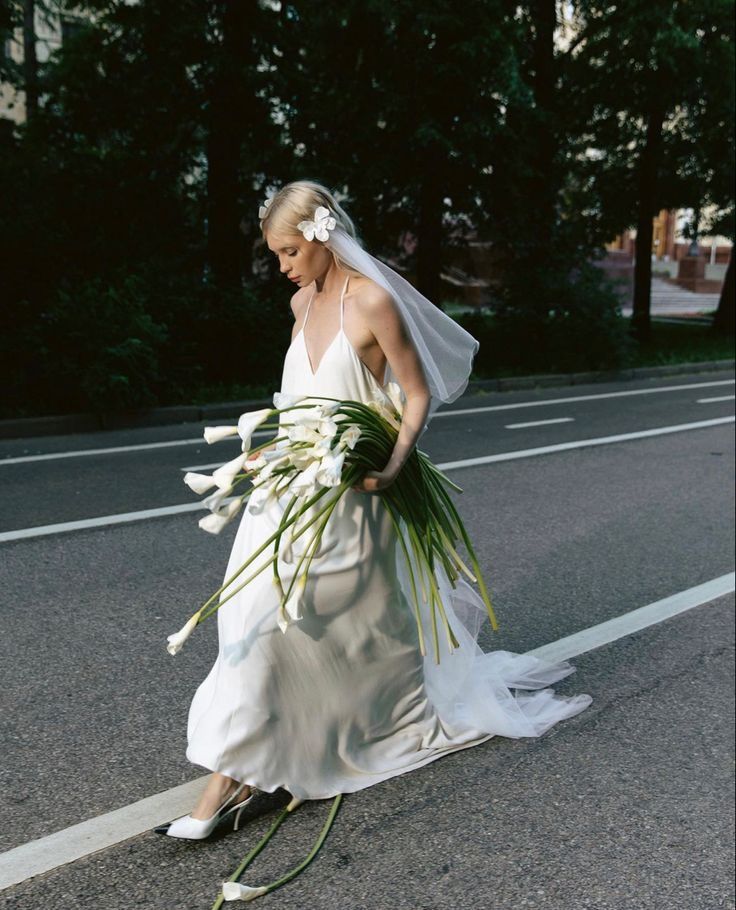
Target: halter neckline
[(339, 331)]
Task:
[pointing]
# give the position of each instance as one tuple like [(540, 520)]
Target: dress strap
[(306, 312), (342, 300)]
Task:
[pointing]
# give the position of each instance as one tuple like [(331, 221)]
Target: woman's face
[(301, 260)]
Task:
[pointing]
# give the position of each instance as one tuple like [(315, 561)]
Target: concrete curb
[(229, 410)]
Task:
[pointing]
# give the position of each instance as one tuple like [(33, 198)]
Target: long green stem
[(400, 536), (298, 868)]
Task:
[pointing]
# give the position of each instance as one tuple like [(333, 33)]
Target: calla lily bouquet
[(322, 447)]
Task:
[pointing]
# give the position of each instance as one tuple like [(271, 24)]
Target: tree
[(654, 79)]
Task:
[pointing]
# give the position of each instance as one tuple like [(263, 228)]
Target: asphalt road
[(628, 805)]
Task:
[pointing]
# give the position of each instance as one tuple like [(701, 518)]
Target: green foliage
[(161, 124), (550, 323)]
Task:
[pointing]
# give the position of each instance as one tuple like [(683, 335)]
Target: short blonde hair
[(295, 202)]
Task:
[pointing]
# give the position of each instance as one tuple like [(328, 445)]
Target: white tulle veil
[(446, 349)]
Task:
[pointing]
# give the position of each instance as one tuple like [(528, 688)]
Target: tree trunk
[(230, 108), (641, 326), (543, 144), (723, 321), (429, 251), (30, 62)]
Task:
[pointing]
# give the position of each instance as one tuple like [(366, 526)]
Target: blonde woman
[(345, 699)]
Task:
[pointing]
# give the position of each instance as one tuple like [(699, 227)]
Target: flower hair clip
[(263, 209), (320, 227)]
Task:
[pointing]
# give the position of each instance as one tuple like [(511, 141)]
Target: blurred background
[(556, 176)]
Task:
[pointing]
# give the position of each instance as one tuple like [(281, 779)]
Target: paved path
[(625, 807), (670, 300)]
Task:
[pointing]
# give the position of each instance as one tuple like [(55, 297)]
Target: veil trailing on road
[(446, 349)]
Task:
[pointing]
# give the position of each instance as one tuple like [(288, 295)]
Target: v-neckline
[(324, 354), (336, 336)]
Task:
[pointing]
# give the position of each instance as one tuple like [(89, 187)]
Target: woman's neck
[(330, 284)]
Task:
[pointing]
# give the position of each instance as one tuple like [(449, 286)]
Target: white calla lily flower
[(327, 427), (330, 469), (215, 434), (199, 483), (216, 521), (396, 396), (307, 417), (302, 433), (302, 458), (286, 400), (226, 473), (215, 500), (349, 437), (290, 612), (255, 464), (261, 497), (248, 422), (305, 480), (234, 891), (176, 641)]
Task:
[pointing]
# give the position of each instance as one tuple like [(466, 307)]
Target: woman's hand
[(374, 481)]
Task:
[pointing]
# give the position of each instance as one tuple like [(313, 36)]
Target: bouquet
[(322, 447)]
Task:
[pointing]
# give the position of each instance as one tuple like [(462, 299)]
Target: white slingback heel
[(199, 828)]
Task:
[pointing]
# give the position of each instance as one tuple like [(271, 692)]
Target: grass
[(683, 343)]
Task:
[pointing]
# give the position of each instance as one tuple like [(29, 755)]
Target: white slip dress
[(344, 698)]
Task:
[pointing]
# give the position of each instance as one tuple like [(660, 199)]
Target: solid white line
[(46, 853), (719, 398), (582, 443), (37, 856), (444, 412), (103, 520), (113, 450), (537, 423), (545, 401), (636, 620), (109, 450)]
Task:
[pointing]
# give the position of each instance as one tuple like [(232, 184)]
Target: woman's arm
[(382, 317)]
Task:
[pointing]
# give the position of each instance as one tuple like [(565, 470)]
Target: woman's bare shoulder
[(369, 295), (299, 301)]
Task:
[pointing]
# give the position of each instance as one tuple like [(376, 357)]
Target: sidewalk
[(670, 300), (230, 410)]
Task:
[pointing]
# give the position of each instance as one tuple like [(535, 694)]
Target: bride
[(344, 699)]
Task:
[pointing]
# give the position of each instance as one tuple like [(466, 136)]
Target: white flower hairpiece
[(263, 209), (320, 227)]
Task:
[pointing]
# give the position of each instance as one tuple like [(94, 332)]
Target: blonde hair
[(295, 202)]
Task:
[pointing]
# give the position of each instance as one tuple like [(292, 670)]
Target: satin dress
[(344, 698)]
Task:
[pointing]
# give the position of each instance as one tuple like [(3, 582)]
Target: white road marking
[(113, 450), (446, 412), (102, 521), (70, 844), (582, 443), (636, 620), (537, 423), (620, 394), (719, 398)]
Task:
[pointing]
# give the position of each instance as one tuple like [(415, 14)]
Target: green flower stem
[(456, 555), (277, 544), (252, 855), (473, 558), (298, 868), (422, 560), (400, 536), (208, 613), (263, 546), (313, 544)]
